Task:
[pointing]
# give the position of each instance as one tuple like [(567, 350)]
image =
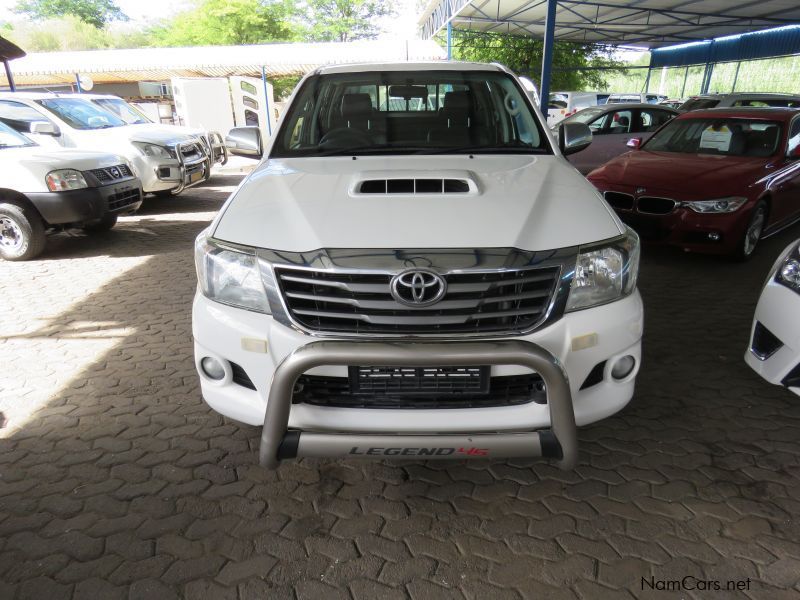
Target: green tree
[(346, 20), (228, 22), (523, 55), (94, 12), (54, 35)]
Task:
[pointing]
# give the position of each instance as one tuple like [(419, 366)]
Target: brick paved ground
[(116, 481)]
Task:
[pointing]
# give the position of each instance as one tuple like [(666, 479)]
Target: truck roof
[(432, 65)]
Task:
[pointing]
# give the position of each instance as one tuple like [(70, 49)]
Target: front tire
[(753, 232), (105, 224), (22, 235)]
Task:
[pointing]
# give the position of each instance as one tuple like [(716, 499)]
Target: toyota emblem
[(418, 287)]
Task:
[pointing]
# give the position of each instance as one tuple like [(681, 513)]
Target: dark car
[(713, 181), (612, 126)]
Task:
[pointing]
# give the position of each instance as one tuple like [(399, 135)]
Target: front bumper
[(174, 174), (779, 361), (259, 345), (708, 233), (88, 204)]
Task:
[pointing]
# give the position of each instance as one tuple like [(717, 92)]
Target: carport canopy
[(645, 24)]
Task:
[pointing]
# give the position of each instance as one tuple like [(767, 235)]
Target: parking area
[(117, 481)]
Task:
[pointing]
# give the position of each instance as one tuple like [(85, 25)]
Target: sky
[(143, 11)]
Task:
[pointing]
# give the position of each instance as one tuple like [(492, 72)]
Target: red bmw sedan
[(714, 181)]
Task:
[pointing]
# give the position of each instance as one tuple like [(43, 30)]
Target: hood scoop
[(402, 184)]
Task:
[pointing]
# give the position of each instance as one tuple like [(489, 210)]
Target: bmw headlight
[(154, 150), (605, 273), (720, 205), (65, 179), (229, 276), (788, 271)]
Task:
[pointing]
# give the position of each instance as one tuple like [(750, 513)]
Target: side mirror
[(44, 128), (634, 143), (573, 137), (245, 141)]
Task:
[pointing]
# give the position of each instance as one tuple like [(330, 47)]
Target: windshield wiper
[(362, 150)]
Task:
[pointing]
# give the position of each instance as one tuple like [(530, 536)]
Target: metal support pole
[(78, 83), (449, 32), (266, 99), (707, 78), (647, 81), (685, 77), (11, 85), (736, 76), (547, 55)]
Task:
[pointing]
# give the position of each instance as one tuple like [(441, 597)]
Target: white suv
[(165, 160), (412, 278)]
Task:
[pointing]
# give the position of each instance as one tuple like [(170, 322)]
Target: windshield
[(729, 137), (410, 112), (127, 112), (11, 139), (81, 114)]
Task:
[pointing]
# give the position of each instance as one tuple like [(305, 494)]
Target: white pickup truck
[(44, 190), (416, 279), (166, 160)]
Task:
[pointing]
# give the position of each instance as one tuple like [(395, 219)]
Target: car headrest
[(356, 105), (623, 122), (458, 101)]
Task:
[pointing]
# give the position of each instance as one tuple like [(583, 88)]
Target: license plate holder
[(419, 381)]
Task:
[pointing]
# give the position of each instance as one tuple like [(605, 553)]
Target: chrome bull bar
[(560, 442)]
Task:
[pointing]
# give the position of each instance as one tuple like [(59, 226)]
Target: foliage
[(228, 22), (282, 87), (54, 35), (346, 20), (523, 55), (93, 12)]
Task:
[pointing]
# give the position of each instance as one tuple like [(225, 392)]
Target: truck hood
[(179, 130), (526, 202), (37, 159), (681, 173), (152, 133)]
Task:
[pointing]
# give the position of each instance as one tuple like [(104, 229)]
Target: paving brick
[(256, 566)]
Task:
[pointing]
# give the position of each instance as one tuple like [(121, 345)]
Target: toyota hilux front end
[(415, 271)]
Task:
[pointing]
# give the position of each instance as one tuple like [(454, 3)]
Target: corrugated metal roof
[(645, 23), (749, 46), (159, 64)]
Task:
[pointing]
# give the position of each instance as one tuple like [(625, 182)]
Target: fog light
[(212, 368), (713, 236), (623, 367)]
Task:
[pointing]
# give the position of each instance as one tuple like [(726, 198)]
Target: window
[(250, 103), (618, 121), (81, 114), (250, 118), (248, 87), (414, 112), (651, 119), (729, 137), (794, 137), (11, 139), (19, 116), (127, 112)]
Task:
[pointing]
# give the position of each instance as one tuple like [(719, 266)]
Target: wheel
[(105, 224), (21, 233), (752, 234)]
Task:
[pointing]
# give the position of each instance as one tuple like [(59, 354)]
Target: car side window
[(618, 121), (651, 119), (19, 116)]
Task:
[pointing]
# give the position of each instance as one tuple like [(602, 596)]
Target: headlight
[(229, 276), (65, 179), (720, 205), (605, 273), (788, 271), (154, 150)]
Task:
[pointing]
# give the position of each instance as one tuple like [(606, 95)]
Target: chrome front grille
[(500, 301)]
